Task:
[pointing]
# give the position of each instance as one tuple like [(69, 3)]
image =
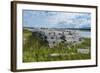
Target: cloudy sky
[(52, 19)]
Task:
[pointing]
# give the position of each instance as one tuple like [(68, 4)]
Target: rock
[(83, 51)]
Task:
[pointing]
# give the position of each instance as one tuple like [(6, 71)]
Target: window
[(49, 33), (54, 33), (54, 42), (52, 37), (80, 39), (59, 33), (45, 37)]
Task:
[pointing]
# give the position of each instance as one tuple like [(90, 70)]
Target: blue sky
[(52, 19)]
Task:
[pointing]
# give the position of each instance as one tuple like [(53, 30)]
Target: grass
[(37, 50)]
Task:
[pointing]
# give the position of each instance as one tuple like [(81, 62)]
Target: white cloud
[(70, 19), (58, 19)]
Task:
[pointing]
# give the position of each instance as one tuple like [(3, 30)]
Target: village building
[(54, 37)]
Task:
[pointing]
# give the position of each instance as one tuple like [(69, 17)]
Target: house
[(54, 37)]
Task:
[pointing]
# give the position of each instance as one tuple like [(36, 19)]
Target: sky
[(55, 19)]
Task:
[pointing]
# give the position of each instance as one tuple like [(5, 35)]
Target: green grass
[(37, 50)]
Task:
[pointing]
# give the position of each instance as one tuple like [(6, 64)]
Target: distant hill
[(82, 28)]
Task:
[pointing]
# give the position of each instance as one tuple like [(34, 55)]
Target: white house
[(54, 37)]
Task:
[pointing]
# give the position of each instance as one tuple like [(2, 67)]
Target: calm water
[(84, 33)]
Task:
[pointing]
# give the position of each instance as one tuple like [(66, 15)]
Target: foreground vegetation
[(36, 50)]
